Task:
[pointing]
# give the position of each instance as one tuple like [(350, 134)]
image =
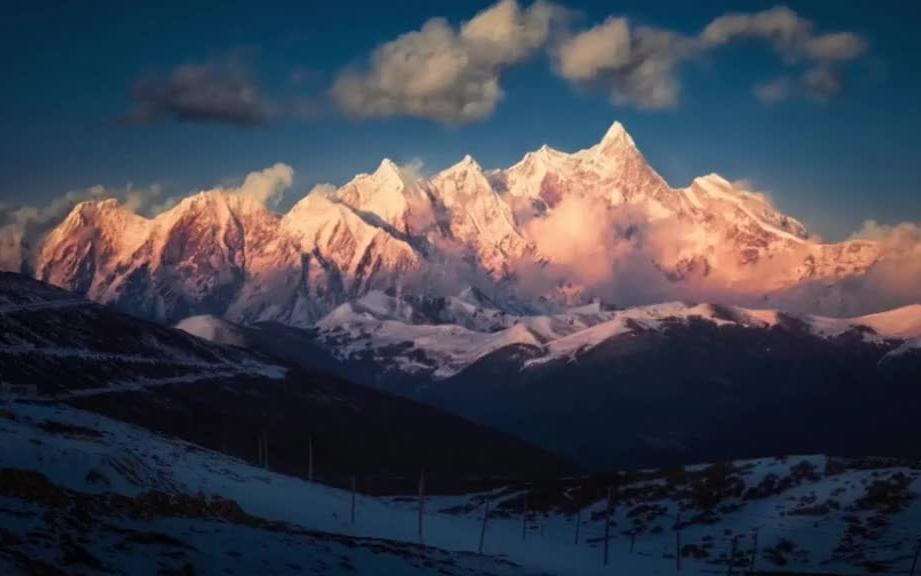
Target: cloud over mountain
[(221, 92), (446, 74), (640, 65)]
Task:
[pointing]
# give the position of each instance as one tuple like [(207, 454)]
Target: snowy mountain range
[(643, 386), (438, 338), (508, 284), (553, 231)]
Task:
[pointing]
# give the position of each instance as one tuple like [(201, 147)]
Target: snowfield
[(811, 513)]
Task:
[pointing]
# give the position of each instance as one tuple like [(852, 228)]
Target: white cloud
[(601, 49), (639, 65), (780, 26), (836, 46), (267, 186), (445, 74)]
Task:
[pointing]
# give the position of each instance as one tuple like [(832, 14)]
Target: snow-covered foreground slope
[(811, 513), (123, 500)]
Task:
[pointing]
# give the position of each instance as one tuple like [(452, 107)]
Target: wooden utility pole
[(578, 523), (914, 562), (264, 449), (754, 558), (483, 527), (310, 458), (607, 523), (263, 443), (678, 542), (354, 487), (730, 568), (421, 505), (524, 517)]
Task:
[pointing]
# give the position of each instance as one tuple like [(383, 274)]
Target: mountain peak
[(617, 135), (97, 206), (98, 213), (468, 160), (388, 169), (467, 163), (713, 178)]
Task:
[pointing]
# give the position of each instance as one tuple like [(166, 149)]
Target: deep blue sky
[(68, 68)]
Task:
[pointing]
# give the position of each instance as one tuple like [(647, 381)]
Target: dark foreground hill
[(55, 347)]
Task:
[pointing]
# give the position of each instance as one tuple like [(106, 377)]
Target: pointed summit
[(381, 196), (468, 162), (388, 169), (617, 135)]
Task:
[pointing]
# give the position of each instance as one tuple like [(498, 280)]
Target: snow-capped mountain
[(438, 338), (613, 170), (642, 386), (224, 254)]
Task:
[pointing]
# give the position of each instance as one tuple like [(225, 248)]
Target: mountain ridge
[(554, 230)]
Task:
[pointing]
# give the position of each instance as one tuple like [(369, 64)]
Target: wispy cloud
[(640, 65), (219, 92)]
